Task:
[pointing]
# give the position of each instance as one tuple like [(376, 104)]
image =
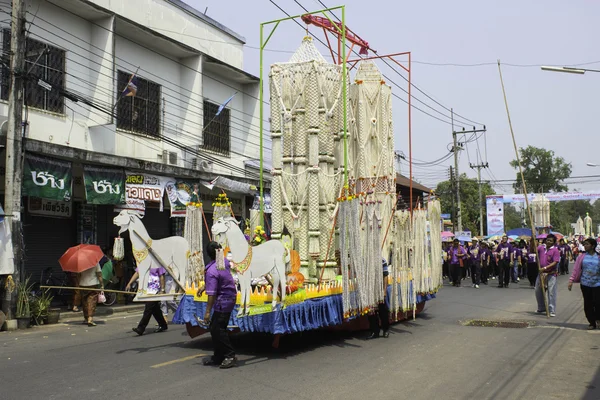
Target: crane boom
[(335, 28)]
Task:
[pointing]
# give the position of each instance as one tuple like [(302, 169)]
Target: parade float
[(334, 217)]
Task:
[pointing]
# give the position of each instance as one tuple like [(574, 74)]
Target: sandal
[(92, 323), (75, 309)]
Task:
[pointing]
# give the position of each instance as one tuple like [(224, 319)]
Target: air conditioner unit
[(169, 157), (201, 165)]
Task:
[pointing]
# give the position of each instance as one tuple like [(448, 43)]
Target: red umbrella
[(81, 257)]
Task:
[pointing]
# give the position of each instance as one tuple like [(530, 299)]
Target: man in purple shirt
[(474, 251), (221, 290), (504, 251), (565, 254), (455, 254), (549, 256)]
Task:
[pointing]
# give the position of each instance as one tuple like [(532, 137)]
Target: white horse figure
[(252, 262), (172, 250)]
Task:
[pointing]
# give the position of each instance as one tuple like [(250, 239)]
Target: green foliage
[(512, 217), (469, 197), (24, 289), (542, 169), (39, 306)]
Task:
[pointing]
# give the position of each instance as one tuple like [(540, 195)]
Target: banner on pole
[(104, 185), (495, 215), (180, 193), (558, 196), (47, 178)]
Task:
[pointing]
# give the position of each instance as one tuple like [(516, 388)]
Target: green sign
[(104, 185), (47, 178)]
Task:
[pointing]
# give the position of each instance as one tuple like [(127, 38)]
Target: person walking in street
[(532, 265), (474, 252), (494, 260), (565, 255), (456, 253), (221, 290), (383, 312), (485, 259), (90, 279), (504, 251), (515, 260), (549, 259), (156, 285), (587, 272)]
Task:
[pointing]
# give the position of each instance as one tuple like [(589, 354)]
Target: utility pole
[(452, 195), (479, 166), (456, 148), (14, 141)]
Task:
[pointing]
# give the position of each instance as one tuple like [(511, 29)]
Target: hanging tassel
[(119, 249), (220, 260)]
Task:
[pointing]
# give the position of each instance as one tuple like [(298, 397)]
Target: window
[(216, 129), (139, 113), (43, 62)]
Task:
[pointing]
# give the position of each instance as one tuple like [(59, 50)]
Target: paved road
[(431, 357)]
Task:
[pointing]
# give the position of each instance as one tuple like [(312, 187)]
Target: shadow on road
[(593, 387)]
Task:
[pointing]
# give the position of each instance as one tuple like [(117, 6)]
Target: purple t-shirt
[(474, 252), (453, 253), (484, 254), (504, 250), (154, 274), (222, 285), (531, 258), (548, 256), (517, 252)]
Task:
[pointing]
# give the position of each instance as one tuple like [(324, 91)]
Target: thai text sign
[(50, 208), (144, 187), (495, 215), (104, 185), (47, 178), (559, 196)]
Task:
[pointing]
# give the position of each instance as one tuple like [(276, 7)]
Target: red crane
[(335, 28)]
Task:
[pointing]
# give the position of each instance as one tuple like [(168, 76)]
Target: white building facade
[(80, 57)]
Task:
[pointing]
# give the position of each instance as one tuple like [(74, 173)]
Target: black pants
[(475, 273), (455, 273), (591, 303), (220, 336), (485, 273), (445, 269), (504, 275), (152, 309), (532, 273), (564, 266), (382, 314)]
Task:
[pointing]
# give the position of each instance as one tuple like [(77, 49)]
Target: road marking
[(177, 361)]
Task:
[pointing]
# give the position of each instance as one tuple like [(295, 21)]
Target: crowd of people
[(507, 263)]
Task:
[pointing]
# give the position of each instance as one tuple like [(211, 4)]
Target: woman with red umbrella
[(84, 260)]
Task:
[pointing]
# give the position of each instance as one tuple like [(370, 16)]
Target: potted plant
[(39, 306), (23, 309)]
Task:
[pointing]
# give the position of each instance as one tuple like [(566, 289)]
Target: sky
[(556, 111)]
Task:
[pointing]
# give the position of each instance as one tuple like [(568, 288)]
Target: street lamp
[(569, 70)]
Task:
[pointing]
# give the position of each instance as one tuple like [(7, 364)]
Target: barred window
[(139, 113), (44, 62), (216, 129)]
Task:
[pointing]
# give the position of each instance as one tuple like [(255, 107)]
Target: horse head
[(125, 218), (221, 226)]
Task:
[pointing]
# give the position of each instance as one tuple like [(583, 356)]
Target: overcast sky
[(552, 110)]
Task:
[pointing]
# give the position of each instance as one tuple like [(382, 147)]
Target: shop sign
[(50, 208), (104, 185), (47, 178), (145, 187)]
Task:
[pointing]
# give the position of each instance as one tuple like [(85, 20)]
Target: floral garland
[(222, 201), (260, 236)]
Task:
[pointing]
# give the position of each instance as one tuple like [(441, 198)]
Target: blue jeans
[(515, 271), (539, 295)]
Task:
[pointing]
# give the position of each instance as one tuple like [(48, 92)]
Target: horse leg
[(276, 279), (243, 290)]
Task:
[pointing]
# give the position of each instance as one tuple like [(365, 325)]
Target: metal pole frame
[(263, 44)]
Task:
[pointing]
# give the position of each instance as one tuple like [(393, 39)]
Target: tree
[(542, 169), (512, 218), (469, 198)]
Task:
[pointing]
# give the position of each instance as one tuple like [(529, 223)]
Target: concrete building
[(81, 55)]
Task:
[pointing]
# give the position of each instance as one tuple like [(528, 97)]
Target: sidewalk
[(67, 315)]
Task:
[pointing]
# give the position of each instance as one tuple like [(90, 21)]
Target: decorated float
[(334, 216)]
